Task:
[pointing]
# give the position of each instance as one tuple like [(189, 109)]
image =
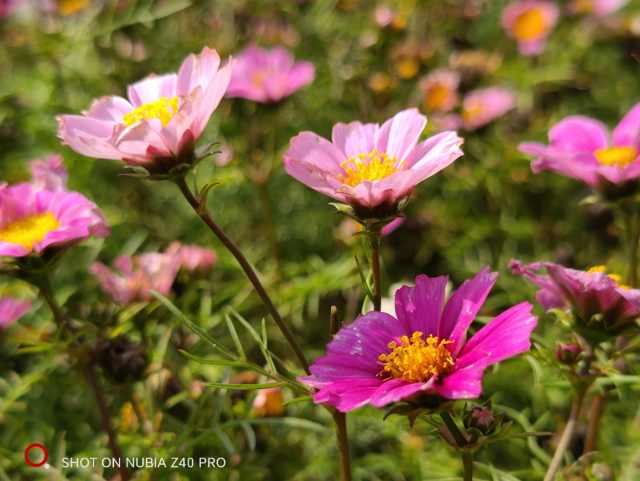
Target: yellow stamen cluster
[(258, 78), (416, 359), (616, 156), (530, 25), (164, 109), (472, 111), (373, 166), (30, 230), (617, 278), (436, 96)]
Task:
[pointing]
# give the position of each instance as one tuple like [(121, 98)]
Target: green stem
[(567, 434), (201, 210), (340, 420), (374, 239), (461, 441), (633, 231)]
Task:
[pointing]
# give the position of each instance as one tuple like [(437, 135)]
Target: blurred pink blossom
[(11, 310), (529, 23), (49, 173), (483, 106), (597, 8), (268, 75), (440, 90), (192, 257), (158, 125)]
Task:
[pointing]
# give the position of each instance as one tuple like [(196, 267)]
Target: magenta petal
[(395, 390), (627, 133), (579, 134), (463, 383), (474, 291), (419, 308)]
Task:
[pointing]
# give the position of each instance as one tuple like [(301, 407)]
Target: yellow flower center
[(530, 25), (30, 230), (69, 7), (370, 167), (472, 111), (416, 359), (617, 278), (436, 96), (163, 109), (616, 156), (258, 78)]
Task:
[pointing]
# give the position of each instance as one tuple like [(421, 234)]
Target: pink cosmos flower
[(483, 106), (380, 359), (268, 75), (135, 276), (192, 257), (581, 148), (49, 173), (597, 8), (7, 7), (159, 123), (371, 166), (440, 89), (588, 293), (529, 23), (33, 219), (11, 310)]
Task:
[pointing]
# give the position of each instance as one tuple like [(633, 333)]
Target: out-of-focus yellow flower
[(476, 61), (269, 403), (380, 82), (128, 418), (407, 68), (71, 7)]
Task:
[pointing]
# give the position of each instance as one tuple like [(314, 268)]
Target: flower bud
[(568, 353), (121, 359)]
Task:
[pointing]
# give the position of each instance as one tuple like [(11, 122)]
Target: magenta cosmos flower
[(268, 75), (529, 23), (135, 276), (581, 148), (597, 8), (49, 173), (380, 359), (33, 219), (157, 126), (192, 257), (440, 90), (11, 310), (481, 107), (591, 294), (371, 166)]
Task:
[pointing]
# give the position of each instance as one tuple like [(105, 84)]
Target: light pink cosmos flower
[(33, 219), (529, 23), (580, 147), (371, 166), (588, 293), (193, 257), (597, 8), (380, 359), (158, 125), (268, 75), (440, 90), (135, 276), (11, 310), (49, 173), (483, 106)]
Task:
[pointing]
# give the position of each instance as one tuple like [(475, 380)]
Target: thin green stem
[(633, 228), (201, 210), (340, 420), (374, 237), (596, 410), (567, 434), (462, 442)]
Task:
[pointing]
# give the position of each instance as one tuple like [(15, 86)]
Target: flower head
[(157, 126), (483, 106), (529, 23), (380, 359), (371, 166), (135, 276), (581, 148), (49, 173), (269, 403), (11, 310), (597, 8), (591, 294), (33, 219), (440, 90), (192, 257), (268, 75)]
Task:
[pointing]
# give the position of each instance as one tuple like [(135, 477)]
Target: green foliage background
[(484, 210)]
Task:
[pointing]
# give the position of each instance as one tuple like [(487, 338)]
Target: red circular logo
[(36, 446)]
